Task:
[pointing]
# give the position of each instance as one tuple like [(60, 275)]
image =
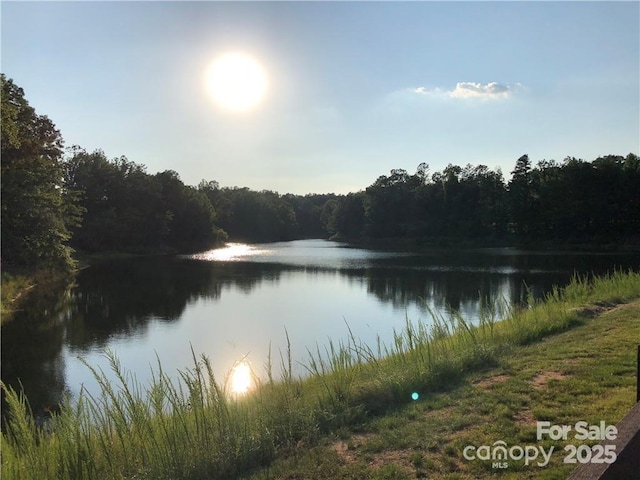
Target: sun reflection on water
[(241, 378), (230, 252)]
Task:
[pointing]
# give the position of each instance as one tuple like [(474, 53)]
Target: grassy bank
[(355, 404), (586, 373), (16, 287)]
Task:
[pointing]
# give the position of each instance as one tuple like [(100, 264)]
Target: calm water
[(237, 302)]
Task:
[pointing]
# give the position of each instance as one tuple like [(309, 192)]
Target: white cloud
[(492, 90)]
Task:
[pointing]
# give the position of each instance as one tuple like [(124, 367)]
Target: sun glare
[(236, 82), (231, 252), (241, 378)]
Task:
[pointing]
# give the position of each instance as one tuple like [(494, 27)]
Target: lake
[(243, 301)]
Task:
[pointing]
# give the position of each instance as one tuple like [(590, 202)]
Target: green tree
[(630, 223), (219, 200), (122, 203), (390, 204), (252, 216), (129, 210), (37, 209), (309, 214), (328, 215), (349, 215), (521, 196), (191, 215)]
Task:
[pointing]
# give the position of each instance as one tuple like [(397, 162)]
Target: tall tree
[(521, 196), (37, 210), (390, 204)]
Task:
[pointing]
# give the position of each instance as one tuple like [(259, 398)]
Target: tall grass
[(193, 427)]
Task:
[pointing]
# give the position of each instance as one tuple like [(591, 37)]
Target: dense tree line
[(576, 199), (569, 201), (249, 215), (266, 216), (51, 202), (37, 210), (313, 213), (127, 209)]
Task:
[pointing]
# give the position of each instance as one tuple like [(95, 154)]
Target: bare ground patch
[(346, 449), (600, 308), (490, 381), (596, 310), (397, 457), (525, 418), (620, 306), (348, 453), (541, 380)]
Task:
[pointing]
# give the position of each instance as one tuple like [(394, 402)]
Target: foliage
[(552, 202), (191, 219), (13, 289), (115, 205), (195, 428), (37, 210), (25, 291), (129, 210), (348, 215), (312, 213), (107, 205), (249, 215), (572, 201), (576, 199), (266, 216)]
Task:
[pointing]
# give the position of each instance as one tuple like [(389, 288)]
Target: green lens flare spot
[(415, 396)]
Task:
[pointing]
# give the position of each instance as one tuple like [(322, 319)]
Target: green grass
[(355, 396), (13, 287), (16, 287), (586, 373)]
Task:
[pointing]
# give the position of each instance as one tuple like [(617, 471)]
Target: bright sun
[(236, 81)]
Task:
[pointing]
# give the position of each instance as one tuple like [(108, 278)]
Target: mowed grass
[(353, 416), (587, 373)]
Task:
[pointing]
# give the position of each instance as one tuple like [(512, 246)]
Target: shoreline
[(204, 433), (419, 245), (17, 288), (551, 381)]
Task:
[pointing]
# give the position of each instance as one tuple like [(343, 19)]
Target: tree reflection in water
[(129, 299)]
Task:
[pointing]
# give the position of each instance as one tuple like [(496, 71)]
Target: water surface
[(242, 301)]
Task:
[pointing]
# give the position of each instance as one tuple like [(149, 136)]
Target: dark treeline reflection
[(124, 298), (121, 297), (32, 344), (463, 280), (463, 291), (113, 298)]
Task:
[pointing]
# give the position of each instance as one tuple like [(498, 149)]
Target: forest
[(57, 200)]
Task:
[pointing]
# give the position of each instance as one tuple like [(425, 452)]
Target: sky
[(354, 89)]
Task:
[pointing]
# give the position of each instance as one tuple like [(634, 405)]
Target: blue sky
[(354, 89)]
